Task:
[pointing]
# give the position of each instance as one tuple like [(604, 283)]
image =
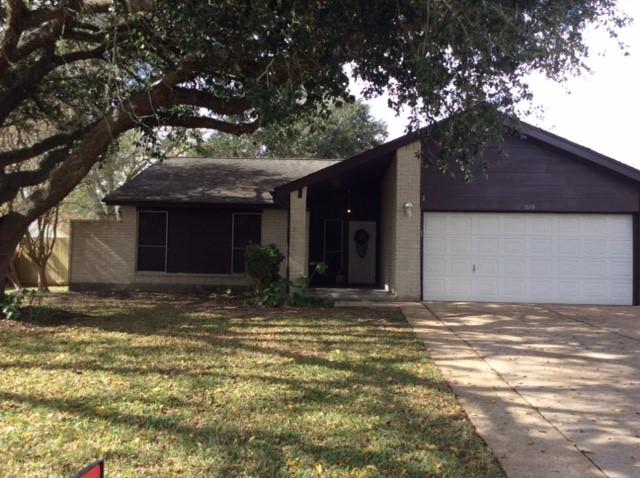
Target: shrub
[(275, 294), (263, 263), (13, 304)]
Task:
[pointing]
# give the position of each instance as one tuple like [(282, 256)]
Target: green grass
[(164, 386)]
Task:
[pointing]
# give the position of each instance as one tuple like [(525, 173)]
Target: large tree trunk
[(12, 228)]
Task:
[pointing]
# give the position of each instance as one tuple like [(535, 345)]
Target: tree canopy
[(77, 74), (338, 134)]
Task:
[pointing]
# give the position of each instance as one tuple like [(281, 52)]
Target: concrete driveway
[(554, 390)]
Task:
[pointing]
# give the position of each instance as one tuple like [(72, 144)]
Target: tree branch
[(52, 142), (27, 83), (11, 37), (11, 183), (203, 122), (201, 99)]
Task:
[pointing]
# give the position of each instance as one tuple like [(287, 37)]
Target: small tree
[(39, 243)]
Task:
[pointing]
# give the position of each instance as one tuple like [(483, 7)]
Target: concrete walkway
[(553, 390)]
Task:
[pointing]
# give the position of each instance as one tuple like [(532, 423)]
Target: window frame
[(166, 240), (233, 230)]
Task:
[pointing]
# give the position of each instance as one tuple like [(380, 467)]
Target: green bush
[(275, 294), (263, 263), (14, 303)]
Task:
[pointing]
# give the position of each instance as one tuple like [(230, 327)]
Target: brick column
[(274, 231), (298, 234), (407, 234), (400, 266)]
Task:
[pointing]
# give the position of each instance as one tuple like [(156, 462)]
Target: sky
[(600, 110)]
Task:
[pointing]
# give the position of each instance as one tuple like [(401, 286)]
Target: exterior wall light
[(408, 208)]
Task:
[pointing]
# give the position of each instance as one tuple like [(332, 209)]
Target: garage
[(528, 257)]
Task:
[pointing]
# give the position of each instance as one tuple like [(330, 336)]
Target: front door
[(362, 252)]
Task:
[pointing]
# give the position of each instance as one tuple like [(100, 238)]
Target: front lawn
[(183, 386)]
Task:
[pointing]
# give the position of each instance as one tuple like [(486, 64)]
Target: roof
[(526, 129), (213, 180)]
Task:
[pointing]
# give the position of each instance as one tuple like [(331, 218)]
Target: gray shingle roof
[(213, 180)]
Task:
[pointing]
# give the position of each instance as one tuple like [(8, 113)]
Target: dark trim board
[(236, 206)]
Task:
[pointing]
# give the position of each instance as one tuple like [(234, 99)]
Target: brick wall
[(401, 233), (103, 256), (274, 231), (103, 252), (298, 235)]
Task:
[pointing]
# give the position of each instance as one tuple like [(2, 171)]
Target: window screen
[(246, 230), (152, 240)]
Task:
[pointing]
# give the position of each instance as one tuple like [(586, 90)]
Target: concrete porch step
[(352, 294)]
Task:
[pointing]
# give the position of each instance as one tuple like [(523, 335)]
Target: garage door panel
[(487, 224), (516, 288), (437, 266), (570, 246), (619, 248), (540, 246), (459, 265), (514, 267), (538, 224), (541, 267), (520, 257), (487, 287), (458, 245), (459, 224), (595, 225), (458, 287), (569, 268), (514, 245), (434, 246), (598, 268), (542, 288), (486, 266), (619, 269), (486, 245), (513, 224), (595, 247), (434, 287)]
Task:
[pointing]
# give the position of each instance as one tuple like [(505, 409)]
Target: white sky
[(600, 110)]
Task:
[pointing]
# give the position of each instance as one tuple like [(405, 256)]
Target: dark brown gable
[(528, 175)]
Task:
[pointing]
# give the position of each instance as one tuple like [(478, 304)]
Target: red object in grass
[(94, 470)]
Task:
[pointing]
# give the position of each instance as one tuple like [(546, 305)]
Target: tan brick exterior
[(298, 234), (103, 252), (103, 255), (275, 223), (400, 233)]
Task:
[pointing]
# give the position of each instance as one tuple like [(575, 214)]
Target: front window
[(246, 230), (152, 241)]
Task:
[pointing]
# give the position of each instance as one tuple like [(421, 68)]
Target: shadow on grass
[(345, 388)]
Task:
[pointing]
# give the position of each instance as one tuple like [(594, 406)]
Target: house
[(546, 221)]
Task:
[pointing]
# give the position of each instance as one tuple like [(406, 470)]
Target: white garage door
[(553, 258)]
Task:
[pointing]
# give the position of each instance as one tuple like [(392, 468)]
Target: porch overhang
[(281, 194)]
